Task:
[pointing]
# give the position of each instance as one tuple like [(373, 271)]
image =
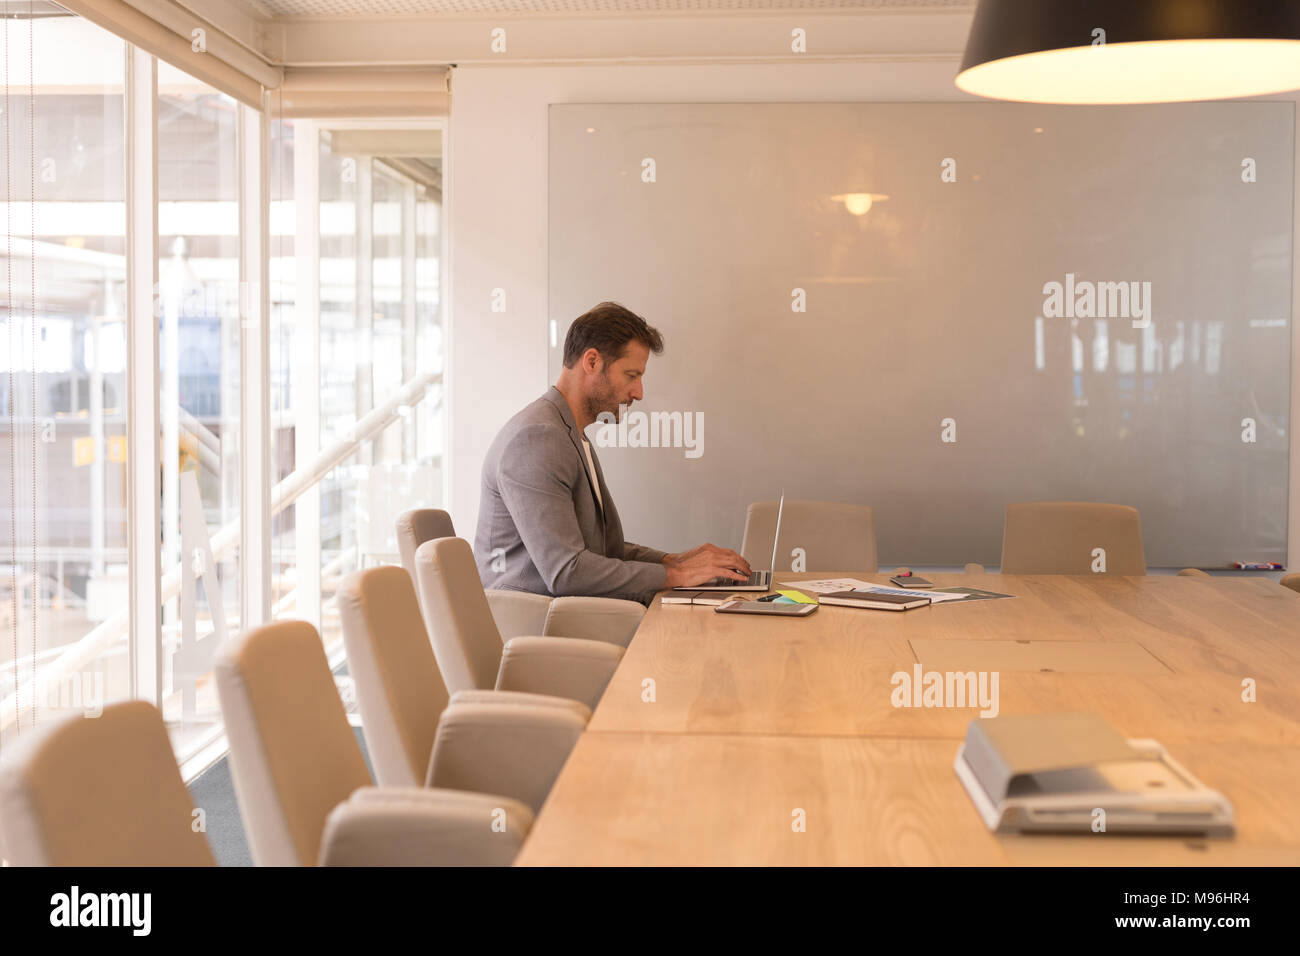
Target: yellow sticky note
[(798, 597)]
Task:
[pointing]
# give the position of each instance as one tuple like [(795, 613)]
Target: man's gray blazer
[(540, 527)]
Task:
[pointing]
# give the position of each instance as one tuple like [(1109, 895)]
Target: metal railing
[(77, 655)]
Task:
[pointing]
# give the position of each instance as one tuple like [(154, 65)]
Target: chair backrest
[(834, 536), (293, 755), (465, 637), (1061, 537), (399, 690), (98, 791), (415, 527)]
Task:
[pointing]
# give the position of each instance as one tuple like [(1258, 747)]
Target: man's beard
[(603, 400)]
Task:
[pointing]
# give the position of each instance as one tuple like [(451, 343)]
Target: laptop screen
[(776, 535)]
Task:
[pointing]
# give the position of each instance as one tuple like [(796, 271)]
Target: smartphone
[(911, 582), (756, 607)]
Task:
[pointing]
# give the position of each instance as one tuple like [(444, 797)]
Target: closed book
[(1061, 773), (875, 600)]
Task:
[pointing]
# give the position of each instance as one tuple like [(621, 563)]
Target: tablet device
[(761, 607)]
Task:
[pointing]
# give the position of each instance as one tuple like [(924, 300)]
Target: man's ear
[(591, 361)]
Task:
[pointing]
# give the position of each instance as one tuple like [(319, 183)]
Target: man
[(547, 521)]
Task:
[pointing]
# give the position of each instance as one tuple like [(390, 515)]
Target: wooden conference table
[(753, 720)]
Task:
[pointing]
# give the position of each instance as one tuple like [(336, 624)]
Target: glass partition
[(198, 306)]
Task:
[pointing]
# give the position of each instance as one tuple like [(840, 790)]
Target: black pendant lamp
[(1131, 51)]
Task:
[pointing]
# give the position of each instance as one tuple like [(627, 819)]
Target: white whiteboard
[(925, 317)]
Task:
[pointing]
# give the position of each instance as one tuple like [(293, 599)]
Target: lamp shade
[(1131, 51)]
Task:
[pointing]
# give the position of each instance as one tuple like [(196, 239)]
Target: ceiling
[(378, 8)]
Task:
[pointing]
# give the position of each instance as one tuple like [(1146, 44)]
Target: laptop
[(758, 580)]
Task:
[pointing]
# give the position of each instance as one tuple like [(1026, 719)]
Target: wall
[(497, 213)]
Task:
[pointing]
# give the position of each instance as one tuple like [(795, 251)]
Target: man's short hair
[(608, 328)]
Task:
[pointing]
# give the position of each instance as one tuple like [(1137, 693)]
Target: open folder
[(1074, 773)]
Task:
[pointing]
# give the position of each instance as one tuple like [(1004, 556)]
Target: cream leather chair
[(834, 536), (511, 743), (103, 791), (1058, 537), (518, 612), (303, 788), (468, 645)]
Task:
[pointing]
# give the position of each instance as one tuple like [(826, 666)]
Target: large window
[(380, 341), (345, 346), (348, 292), (199, 331), (285, 394), (63, 522)]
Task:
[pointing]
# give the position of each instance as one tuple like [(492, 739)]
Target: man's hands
[(705, 563)]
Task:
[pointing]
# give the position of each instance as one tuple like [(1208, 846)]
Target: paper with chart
[(831, 585), (828, 586)]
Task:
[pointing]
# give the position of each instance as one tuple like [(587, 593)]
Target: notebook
[(713, 598), (875, 600)]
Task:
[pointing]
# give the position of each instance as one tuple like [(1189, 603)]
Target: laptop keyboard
[(755, 578)]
